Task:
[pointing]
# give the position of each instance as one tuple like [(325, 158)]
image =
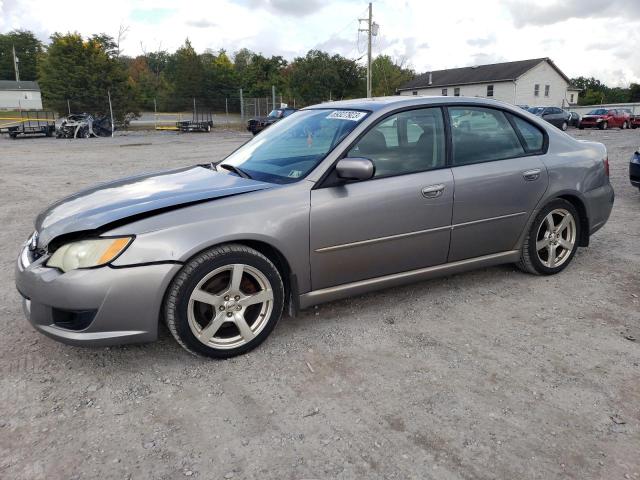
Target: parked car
[(574, 119), (257, 124), (337, 200), (554, 115), (604, 118), (635, 121), (628, 114), (634, 170)]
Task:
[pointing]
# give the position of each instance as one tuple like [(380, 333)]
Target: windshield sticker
[(352, 115), (294, 174)]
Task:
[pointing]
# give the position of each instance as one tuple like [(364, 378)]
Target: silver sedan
[(337, 199)]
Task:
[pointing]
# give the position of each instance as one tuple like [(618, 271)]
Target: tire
[(537, 248), (564, 126), (624, 126), (603, 125), (580, 127), (223, 316)]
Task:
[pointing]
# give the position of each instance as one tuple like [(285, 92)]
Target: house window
[(456, 92), (489, 90), (571, 98), (546, 90), (444, 92), (536, 90), (415, 92)]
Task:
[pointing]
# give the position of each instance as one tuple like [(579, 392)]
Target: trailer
[(30, 122), (200, 122)]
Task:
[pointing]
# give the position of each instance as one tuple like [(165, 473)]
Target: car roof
[(379, 103)]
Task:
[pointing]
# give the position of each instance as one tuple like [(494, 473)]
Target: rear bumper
[(115, 305), (599, 205)]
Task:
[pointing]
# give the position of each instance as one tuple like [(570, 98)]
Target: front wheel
[(624, 126), (604, 125), (564, 126), (225, 301), (552, 240)]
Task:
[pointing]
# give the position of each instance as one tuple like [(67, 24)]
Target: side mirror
[(355, 169)]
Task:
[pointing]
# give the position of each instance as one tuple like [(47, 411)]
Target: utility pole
[(372, 31), (241, 107), (16, 61), (273, 96)]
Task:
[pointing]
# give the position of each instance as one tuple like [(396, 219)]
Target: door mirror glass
[(355, 169)]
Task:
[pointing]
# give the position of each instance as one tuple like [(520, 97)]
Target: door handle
[(433, 191), (531, 175)]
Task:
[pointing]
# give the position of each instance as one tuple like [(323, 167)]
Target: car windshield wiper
[(234, 169)]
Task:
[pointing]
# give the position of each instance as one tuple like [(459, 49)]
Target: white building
[(20, 95), (536, 82)]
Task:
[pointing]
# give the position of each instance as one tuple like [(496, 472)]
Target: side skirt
[(364, 286)]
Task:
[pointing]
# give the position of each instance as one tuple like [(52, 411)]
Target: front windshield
[(275, 114), (536, 110), (292, 147), (598, 111)]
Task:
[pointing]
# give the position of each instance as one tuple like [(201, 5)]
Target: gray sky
[(598, 38)]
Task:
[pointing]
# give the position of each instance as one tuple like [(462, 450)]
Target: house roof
[(13, 85), (496, 72)]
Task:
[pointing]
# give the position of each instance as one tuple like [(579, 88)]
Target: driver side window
[(406, 142)]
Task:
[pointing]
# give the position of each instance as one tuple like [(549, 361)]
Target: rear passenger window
[(482, 135), (532, 135)]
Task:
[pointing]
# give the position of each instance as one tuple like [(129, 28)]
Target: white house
[(536, 82), (20, 95)]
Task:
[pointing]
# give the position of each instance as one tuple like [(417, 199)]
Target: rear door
[(499, 179)]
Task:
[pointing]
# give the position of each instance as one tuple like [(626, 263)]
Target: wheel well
[(584, 219), (281, 263)]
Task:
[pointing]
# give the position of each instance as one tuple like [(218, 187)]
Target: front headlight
[(88, 253)]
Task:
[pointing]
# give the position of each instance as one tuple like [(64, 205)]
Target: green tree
[(28, 49), (82, 71), (318, 77), (185, 74), (634, 92), (388, 75), (220, 78)]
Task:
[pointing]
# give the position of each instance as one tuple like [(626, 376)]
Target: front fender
[(277, 217)]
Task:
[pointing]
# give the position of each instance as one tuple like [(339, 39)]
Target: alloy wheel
[(556, 238), (230, 306)]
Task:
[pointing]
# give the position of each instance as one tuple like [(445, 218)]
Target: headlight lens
[(88, 253)]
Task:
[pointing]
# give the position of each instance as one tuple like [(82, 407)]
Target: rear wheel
[(552, 240), (225, 301)]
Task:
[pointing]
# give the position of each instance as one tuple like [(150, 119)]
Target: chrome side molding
[(364, 286)]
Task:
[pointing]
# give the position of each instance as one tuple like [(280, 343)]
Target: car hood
[(104, 204)]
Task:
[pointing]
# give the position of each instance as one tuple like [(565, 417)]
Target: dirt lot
[(491, 374)]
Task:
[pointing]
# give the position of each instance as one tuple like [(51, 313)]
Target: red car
[(604, 118), (635, 121)]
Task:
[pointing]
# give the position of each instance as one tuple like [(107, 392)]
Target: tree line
[(81, 70), (76, 72)]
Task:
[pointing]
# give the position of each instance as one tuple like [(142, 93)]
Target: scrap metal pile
[(84, 125)]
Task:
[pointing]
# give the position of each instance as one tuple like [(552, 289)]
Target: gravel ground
[(484, 375)]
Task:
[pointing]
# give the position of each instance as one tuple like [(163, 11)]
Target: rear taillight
[(605, 161)]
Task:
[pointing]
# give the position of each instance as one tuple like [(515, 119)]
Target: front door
[(499, 179), (397, 221)]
